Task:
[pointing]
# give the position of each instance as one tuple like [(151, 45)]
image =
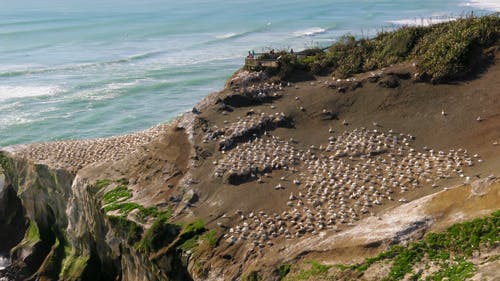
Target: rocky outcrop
[(58, 230)]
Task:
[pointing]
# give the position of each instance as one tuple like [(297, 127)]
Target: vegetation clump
[(159, 235), (283, 270), (443, 51), (114, 200), (130, 230), (316, 271), (72, 265), (449, 251), (118, 193)]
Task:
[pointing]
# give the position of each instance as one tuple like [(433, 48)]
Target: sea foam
[(492, 5), (226, 35), (309, 32), (13, 92), (421, 21), (4, 262)]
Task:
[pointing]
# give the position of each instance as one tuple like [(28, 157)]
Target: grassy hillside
[(444, 51)]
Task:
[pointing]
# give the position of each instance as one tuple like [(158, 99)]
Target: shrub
[(283, 270), (459, 241), (450, 49), (159, 235), (445, 51)]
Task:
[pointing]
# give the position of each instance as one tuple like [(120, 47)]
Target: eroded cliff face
[(56, 229), (61, 221), (73, 215)]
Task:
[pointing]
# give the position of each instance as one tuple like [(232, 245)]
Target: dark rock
[(195, 110), (194, 199), (373, 79), (356, 85), (390, 81), (175, 199), (224, 107)]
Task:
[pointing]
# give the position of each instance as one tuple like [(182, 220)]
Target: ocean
[(73, 69)]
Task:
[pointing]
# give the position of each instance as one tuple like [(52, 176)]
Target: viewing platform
[(257, 62), (270, 60)]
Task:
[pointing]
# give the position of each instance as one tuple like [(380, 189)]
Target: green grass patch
[(124, 208), (316, 270), (100, 184), (113, 200), (210, 237), (127, 207), (404, 262), (73, 267), (461, 270), (32, 235), (147, 212), (160, 234), (194, 227), (191, 234), (190, 244), (118, 193), (283, 270), (459, 241)]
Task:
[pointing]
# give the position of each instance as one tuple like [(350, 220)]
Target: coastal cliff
[(58, 229), (279, 176), (66, 234)]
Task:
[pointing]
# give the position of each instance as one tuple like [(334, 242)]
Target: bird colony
[(338, 182), (262, 91), (244, 128), (79, 153)]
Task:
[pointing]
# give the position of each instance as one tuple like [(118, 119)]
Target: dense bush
[(159, 235), (444, 51), (449, 50)]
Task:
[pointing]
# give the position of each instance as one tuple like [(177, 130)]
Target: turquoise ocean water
[(85, 68)]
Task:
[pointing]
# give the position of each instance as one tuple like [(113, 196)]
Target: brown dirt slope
[(471, 121)]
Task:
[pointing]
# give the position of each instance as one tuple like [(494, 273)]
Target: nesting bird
[(354, 172), (80, 153)]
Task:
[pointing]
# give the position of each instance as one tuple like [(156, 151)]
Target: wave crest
[(12, 92), (492, 5), (309, 32), (80, 66)]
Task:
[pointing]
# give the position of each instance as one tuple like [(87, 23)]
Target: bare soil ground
[(412, 107)]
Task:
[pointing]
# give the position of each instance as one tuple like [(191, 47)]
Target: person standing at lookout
[(250, 55)]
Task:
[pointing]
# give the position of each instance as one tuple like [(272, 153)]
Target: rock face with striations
[(52, 214)]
